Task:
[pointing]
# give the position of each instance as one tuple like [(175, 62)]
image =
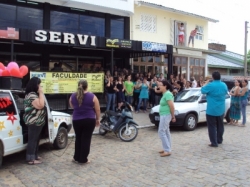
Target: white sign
[(152, 46), (65, 38)]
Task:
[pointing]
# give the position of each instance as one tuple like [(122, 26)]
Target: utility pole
[(245, 56)]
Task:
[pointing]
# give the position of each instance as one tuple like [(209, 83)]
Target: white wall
[(117, 7), (164, 29)]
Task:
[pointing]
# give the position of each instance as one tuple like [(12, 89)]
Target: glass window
[(150, 59), (192, 61), (202, 62), (200, 33), (143, 59), (177, 60), (197, 62), (157, 58), (64, 22), (92, 25), (7, 16), (135, 59), (166, 60), (183, 61), (29, 18), (117, 28)]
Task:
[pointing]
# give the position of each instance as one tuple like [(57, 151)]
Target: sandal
[(73, 160), (39, 158), (34, 162)]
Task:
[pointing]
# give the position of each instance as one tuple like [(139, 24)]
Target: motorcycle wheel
[(102, 131), (128, 135)]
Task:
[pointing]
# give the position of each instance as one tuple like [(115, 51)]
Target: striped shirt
[(33, 116)]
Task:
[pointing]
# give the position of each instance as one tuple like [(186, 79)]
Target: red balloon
[(5, 73), (23, 70), (15, 72), (2, 67)]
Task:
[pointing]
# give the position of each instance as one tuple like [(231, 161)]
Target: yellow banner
[(66, 82)]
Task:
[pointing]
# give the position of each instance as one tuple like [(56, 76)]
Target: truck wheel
[(190, 122), (1, 154), (61, 140)]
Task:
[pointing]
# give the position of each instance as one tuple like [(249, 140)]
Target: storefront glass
[(92, 25), (117, 28), (20, 17), (64, 22)]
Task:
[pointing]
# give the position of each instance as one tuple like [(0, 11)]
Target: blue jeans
[(243, 110), (111, 101), (164, 132), (215, 129), (144, 103), (129, 99)]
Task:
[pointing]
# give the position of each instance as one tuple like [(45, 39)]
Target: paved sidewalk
[(118, 164)]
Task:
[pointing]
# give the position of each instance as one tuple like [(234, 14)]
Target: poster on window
[(180, 33), (10, 33)]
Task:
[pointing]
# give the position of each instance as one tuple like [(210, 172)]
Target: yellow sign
[(66, 82)]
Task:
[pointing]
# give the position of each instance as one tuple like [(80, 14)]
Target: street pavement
[(118, 164)]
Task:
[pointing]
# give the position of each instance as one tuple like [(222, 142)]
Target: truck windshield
[(187, 96)]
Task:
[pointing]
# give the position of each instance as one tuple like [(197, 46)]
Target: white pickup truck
[(13, 131)]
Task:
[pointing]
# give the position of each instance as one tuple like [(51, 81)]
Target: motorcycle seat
[(112, 113)]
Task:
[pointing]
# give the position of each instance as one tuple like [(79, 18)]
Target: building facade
[(156, 23), (78, 35)]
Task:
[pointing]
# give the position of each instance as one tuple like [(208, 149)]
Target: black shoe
[(211, 145)]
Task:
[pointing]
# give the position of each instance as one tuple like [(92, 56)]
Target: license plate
[(157, 118)]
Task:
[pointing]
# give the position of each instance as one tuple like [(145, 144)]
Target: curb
[(72, 135)]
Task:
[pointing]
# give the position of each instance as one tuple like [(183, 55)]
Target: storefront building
[(162, 24), (80, 36)]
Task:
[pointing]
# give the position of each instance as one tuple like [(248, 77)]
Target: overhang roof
[(175, 10), (217, 62)]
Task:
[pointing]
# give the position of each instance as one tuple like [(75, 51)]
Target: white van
[(13, 131)]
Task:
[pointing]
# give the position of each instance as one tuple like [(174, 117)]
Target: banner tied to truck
[(66, 82)]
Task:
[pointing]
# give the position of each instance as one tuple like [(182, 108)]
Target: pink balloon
[(12, 65), (1, 71)]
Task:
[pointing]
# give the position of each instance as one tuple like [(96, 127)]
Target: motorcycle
[(121, 124)]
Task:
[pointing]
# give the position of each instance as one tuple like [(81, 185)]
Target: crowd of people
[(141, 89)]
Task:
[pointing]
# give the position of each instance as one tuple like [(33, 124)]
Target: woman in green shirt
[(166, 115), (129, 89)]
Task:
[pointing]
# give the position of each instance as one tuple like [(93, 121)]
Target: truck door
[(50, 122), (10, 129)]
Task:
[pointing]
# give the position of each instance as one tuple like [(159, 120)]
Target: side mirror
[(203, 101), (50, 108)]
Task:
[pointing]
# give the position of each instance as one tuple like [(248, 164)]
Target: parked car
[(190, 109), (14, 132)]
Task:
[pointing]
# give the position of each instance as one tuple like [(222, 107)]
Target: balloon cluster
[(13, 70)]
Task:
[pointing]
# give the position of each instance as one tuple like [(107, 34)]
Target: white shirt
[(181, 31), (194, 84)]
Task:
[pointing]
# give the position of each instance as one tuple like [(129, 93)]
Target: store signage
[(65, 38), (10, 33), (66, 82), (118, 43), (152, 46)]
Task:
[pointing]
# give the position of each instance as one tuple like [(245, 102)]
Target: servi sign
[(64, 38)]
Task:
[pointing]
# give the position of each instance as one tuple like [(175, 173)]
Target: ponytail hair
[(82, 86)]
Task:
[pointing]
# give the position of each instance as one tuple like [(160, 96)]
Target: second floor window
[(199, 35), (148, 23)]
